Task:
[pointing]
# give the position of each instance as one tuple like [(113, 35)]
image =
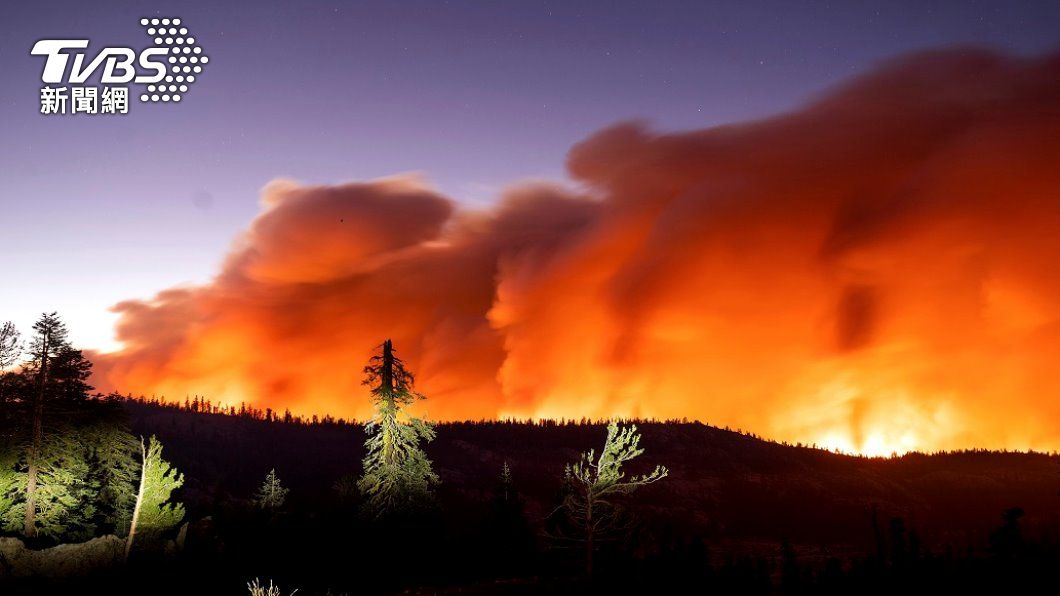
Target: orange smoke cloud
[(876, 271)]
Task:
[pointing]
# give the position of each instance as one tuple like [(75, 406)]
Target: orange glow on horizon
[(874, 273)]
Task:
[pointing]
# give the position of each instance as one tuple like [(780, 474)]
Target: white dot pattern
[(183, 52)]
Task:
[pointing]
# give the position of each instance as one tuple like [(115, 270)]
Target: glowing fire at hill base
[(876, 272)]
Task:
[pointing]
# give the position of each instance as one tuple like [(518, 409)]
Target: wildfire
[(874, 273)]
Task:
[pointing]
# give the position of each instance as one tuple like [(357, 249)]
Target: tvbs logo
[(167, 69)]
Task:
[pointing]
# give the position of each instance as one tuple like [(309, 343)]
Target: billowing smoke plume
[(879, 270)]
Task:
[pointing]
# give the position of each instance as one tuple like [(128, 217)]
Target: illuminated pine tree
[(59, 437), (507, 487), (272, 494), (66, 460), (49, 342), (153, 512), (113, 469), (84, 478), (10, 352), (595, 483), (397, 474)]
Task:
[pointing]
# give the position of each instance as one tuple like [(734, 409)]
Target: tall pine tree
[(397, 474), (49, 342), (10, 352), (64, 470), (510, 542)]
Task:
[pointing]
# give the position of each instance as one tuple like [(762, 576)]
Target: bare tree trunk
[(388, 368), (30, 522), (139, 500), (387, 393)]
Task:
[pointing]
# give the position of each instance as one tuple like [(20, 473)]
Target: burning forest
[(873, 272), (334, 298)]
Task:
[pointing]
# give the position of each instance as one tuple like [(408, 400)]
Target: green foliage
[(159, 481), (10, 484), (154, 513), (598, 478), (112, 465), (84, 478), (397, 474), (64, 492), (271, 494), (48, 455), (71, 445), (594, 483)]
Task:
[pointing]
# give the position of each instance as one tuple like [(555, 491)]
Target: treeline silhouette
[(202, 405)]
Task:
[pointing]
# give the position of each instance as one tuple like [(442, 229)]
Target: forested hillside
[(722, 484)]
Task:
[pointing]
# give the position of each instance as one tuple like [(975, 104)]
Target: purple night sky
[(475, 95)]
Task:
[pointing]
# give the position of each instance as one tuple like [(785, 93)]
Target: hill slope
[(723, 485)]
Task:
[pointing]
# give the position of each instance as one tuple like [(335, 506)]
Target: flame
[(874, 273)]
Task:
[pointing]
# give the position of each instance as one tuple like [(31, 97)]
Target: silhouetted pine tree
[(558, 524), (510, 538), (1007, 541), (10, 352)]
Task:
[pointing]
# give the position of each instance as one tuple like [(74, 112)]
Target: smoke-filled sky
[(809, 238)]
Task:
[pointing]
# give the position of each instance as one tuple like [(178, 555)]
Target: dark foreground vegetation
[(736, 514), (488, 507)]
